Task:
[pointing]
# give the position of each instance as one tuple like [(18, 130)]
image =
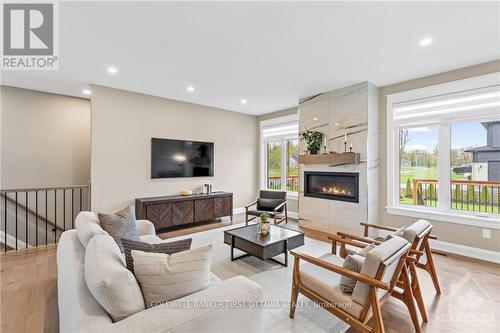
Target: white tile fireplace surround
[(353, 111)]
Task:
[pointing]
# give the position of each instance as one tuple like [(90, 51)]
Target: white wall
[(45, 139), (123, 124)]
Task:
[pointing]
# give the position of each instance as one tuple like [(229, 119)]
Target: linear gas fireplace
[(343, 186)]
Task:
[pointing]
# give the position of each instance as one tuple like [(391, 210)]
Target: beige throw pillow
[(109, 281), (398, 233), (164, 277), (87, 226), (120, 225), (353, 263)]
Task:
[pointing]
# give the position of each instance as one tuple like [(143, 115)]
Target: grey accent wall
[(494, 135)]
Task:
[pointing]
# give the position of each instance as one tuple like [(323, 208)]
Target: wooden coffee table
[(279, 240)]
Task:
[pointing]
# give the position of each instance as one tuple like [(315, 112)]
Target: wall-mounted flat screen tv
[(179, 158)]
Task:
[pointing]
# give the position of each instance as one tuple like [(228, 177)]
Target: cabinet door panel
[(203, 210), (160, 214), (222, 206), (182, 212)]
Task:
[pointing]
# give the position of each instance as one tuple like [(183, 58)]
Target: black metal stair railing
[(33, 217)]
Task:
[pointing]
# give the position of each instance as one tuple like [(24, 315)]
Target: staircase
[(32, 217)]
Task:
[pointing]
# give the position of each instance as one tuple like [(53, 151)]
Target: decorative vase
[(264, 228), (313, 151)]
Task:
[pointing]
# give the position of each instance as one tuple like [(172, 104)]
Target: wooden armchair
[(412, 283), (417, 234), (382, 270), (271, 202)]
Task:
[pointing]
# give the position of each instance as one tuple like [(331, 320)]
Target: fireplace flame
[(335, 190)]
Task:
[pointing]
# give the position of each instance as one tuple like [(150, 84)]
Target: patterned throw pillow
[(120, 225), (353, 263), (167, 248)]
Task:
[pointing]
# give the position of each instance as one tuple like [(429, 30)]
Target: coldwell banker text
[(30, 32)]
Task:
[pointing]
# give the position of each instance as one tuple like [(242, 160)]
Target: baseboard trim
[(459, 249), (466, 251), (241, 210)]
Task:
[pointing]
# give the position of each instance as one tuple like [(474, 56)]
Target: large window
[(474, 167), (444, 152), (274, 152), (292, 165), (418, 173), (280, 149)]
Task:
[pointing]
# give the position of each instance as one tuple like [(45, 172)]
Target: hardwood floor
[(28, 280), (470, 301)]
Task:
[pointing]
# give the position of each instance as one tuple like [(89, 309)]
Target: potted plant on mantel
[(313, 141), (265, 224)]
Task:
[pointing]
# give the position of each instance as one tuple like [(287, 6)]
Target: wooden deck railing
[(292, 183), (470, 195), (424, 192)]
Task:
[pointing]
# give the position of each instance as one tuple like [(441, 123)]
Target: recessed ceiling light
[(87, 92), (315, 118), (112, 70), (190, 88), (426, 41), (337, 124), (243, 101)]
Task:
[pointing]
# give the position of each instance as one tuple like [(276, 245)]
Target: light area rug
[(276, 281)]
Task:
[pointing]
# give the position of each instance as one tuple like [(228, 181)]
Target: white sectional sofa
[(79, 311)]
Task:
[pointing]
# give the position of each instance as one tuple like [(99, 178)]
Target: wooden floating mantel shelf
[(330, 159)]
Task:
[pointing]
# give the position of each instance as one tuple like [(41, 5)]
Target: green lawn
[(277, 172), (459, 206), (423, 173), (274, 173), (431, 173), (476, 208)]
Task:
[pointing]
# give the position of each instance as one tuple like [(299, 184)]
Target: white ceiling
[(268, 53)]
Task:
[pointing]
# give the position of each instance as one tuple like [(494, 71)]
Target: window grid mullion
[(444, 174), (283, 164)]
